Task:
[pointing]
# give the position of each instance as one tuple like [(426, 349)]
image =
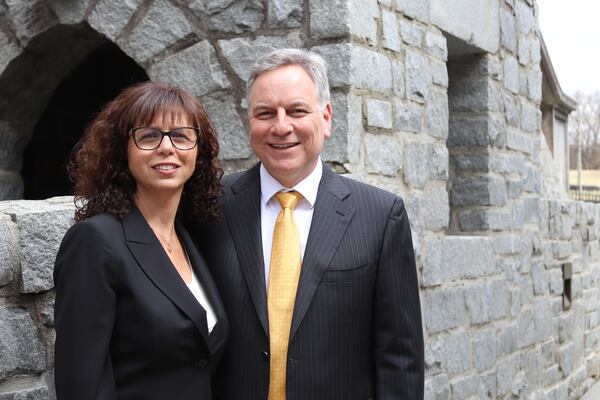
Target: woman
[(137, 313)]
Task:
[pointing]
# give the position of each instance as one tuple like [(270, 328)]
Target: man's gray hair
[(314, 65)]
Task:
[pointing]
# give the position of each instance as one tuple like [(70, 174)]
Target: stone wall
[(509, 278)]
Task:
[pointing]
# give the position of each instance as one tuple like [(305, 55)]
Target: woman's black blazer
[(127, 327)]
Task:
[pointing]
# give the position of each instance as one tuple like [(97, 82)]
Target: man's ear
[(327, 116)]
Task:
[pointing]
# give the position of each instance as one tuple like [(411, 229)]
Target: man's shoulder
[(240, 179), (369, 192)]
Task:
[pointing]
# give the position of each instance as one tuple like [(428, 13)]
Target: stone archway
[(96, 80), (43, 104)]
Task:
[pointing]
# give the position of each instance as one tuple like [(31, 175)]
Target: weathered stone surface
[(411, 33), (507, 340), (38, 391), (480, 131), (379, 113), (409, 117), (435, 44), (21, 351), (9, 249), (470, 162), (536, 53), (344, 144), (398, 86), (508, 30), (39, 246), (506, 370), (437, 387), (241, 53), (235, 16), (512, 111), (11, 186), (436, 207), (439, 73), (467, 388), (511, 74), (436, 120), (109, 17), (525, 19), (384, 155), (29, 18), (417, 9), (8, 51), (529, 118), (390, 37), (488, 301), (444, 260), (507, 244), (285, 14), (357, 66), (69, 11), (46, 313), (472, 94), (424, 161), (544, 321), (12, 144), (162, 26), (233, 139), (453, 352), (351, 17), (524, 53), (485, 349), (507, 163), (478, 190), (444, 309), (482, 220), (418, 77), (195, 69)]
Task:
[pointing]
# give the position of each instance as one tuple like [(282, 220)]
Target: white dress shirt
[(200, 295), (269, 209)]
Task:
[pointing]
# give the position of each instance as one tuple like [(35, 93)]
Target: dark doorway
[(76, 100)]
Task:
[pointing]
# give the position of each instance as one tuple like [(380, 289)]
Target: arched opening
[(75, 101)]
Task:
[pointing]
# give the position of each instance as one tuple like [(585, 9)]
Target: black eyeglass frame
[(163, 134)]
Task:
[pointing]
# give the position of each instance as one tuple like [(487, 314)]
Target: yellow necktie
[(283, 282)]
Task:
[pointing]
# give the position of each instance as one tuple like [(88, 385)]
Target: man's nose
[(282, 125)]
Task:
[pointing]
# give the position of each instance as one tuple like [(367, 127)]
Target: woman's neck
[(159, 210)]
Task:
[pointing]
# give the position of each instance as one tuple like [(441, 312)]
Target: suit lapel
[(151, 257), (219, 332), (330, 219), (242, 212)]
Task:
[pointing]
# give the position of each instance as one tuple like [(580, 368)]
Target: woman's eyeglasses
[(146, 138)]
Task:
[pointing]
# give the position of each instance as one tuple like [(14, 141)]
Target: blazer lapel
[(330, 219), (219, 332), (151, 257), (242, 212)]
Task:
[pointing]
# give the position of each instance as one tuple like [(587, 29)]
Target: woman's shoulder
[(103, 225)]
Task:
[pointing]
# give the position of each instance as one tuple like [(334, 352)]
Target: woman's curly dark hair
[(99, 169)]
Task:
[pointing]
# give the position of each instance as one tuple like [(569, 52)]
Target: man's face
[(287, 124)]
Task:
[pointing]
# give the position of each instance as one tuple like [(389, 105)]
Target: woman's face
[(166, 168)]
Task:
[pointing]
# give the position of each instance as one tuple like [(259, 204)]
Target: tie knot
[(288, 199)]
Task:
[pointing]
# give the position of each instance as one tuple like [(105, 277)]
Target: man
[(345, 321)]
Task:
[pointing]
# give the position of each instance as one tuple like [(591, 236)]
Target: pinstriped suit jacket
[(356, 330)]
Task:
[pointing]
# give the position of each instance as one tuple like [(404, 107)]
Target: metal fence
[(587, 193)]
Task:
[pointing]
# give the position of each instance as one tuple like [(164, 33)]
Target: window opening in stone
[(75, 101)]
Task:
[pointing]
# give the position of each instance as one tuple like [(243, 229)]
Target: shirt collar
[(308, 187)]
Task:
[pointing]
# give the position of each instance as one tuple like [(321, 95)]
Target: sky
[(571, 30)]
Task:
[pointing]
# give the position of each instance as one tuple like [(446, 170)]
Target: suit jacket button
[(203, 363), (265, 355)]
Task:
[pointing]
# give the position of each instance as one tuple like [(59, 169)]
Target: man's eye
[(264, 114), (298, 112)]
